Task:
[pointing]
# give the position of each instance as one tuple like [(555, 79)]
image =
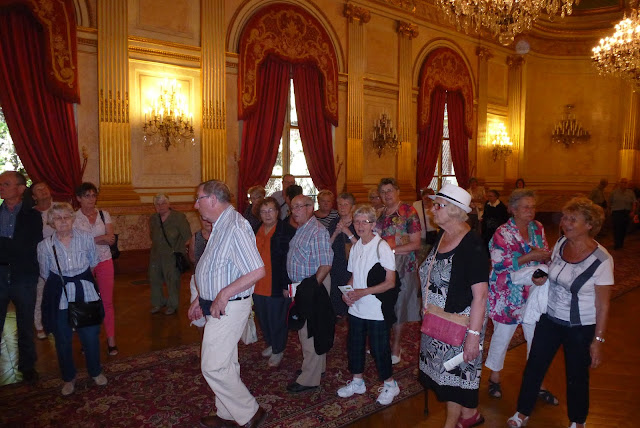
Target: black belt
[(239, 298)]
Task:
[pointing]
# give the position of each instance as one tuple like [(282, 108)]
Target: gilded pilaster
[(214, 128), (406, 33), (113, 84), (515, 106), (484, 55), (357, 16), (630, 148)]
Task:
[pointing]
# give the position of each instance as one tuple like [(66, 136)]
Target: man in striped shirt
[(309, 254), (225, 277)]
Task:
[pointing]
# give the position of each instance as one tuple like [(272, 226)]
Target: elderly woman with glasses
[(399, 225), (69, 254), (454, 279)]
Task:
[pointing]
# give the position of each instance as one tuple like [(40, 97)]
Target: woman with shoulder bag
[(68, 256), (366, 314), (454, 284)]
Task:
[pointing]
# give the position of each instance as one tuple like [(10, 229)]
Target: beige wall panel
[(498, 80), (153, 166), (87, 115), (381, 49), (340, 138), (175, 21), (374, 168), (234, 132), (550, 86)]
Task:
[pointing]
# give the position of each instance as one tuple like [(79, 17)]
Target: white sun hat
[(456, 195)]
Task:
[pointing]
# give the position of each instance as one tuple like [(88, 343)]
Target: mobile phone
[(539, 273)]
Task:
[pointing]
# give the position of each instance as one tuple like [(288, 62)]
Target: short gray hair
[(456, 213), (58, 207), (388, 180), (218, 189), (518, 194), (348, 197), (160, 198), (366, 210)]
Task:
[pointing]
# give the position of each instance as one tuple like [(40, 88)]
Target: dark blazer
[(21, 252), (279, 248), (314, 304)]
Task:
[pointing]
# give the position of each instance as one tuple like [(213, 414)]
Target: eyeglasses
[(267, 211), (439, 206), (298, 207), (361, 222), (201, 197), (63, 218), (90, 195)]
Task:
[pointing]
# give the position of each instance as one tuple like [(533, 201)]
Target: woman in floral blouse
[(518, 243), (399, 225)]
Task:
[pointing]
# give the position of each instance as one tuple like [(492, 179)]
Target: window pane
[(445, 128), (273, 185), (450, 179), (447, 163), (308, 188), (278, 168), (293, 112), (434, 184), (297, 161)]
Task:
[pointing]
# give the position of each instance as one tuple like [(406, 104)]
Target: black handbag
[(81, 314), (115, 251), (182, 263)]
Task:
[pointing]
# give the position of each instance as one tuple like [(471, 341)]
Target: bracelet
[(599, 339), (474, 332), (350, 237)]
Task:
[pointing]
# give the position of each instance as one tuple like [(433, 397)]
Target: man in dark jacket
[(20, 233)]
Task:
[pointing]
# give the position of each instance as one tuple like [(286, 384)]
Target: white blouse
[(96, 229)]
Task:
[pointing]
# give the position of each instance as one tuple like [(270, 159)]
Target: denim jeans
[(90, 339)]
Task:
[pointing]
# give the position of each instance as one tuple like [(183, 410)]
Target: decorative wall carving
[(356, 13), (290, 33), (444, 67), (515, 61), (114, 110), (407, 29)]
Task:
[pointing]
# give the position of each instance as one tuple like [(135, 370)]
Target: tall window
[(9, 159), (291, 159), (444, 172)]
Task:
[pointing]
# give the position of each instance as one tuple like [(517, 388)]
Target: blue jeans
[(20, 288), (90, 339), (272, 313)]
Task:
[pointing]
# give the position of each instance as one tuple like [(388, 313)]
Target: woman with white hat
[(454, 278)]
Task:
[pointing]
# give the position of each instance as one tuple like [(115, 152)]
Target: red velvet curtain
[(262, 130), (458, 137), (315, 127), (42, 125), (430, 140)]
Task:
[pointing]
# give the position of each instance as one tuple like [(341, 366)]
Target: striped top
[(308, 250), (230, 253), (74, 260)]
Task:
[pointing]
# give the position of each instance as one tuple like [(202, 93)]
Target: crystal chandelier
[(384, 137), (501, 145), (504, 19), (619, 54), (569, 131), (168, 121)]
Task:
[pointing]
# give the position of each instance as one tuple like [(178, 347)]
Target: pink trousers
[(103, 273)]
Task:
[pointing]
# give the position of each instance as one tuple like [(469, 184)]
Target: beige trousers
[(313, 365), (219, 363)]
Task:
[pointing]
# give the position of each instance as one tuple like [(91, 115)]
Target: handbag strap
[(164, 233), (102, 217), (435, 254)]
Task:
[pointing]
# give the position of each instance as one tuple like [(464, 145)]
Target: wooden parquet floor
[(615, 386)]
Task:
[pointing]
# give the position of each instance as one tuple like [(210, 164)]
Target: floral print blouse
[(400, 224), (507, 300)]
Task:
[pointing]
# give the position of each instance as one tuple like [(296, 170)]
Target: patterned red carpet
[(166, 389)]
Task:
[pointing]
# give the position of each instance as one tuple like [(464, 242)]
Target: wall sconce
[(501, 145), (569, 131), (168, 121), (384, 136)]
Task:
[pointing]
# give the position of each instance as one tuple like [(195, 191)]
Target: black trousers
[(576, 342), (620, 220), (378, 333), (272, 317)]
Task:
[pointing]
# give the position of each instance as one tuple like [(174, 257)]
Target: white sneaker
[(275, 359), (388, 393), (574, 425), (100, 380), (267, 352), (68, 388), (352, 387), (395, 359)]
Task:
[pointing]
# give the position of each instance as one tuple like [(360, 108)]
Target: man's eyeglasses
[(439, 206), (201, 197), (298, 207)]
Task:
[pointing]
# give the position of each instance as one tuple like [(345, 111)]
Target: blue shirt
[(8, 220)]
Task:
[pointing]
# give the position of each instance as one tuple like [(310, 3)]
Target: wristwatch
[(599, 339)]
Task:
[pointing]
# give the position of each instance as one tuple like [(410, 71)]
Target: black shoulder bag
[(115, 251), (182, 263), (81, 314)]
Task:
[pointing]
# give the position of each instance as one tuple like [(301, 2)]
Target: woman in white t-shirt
[(365, 309), (580, 280)]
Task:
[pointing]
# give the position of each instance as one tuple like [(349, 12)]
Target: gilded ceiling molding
[(515, 61), (87, 42), (446, 68), (166, 54), (294, 35), (407, 29), (484, 53), (164, 43), (356, 13)]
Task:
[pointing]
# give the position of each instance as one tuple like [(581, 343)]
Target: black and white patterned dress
[(460, 385)]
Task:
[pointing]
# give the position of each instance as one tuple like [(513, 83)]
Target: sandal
[(515, 421), (548, 397), (112, 350), (473, 421), (495, 390)]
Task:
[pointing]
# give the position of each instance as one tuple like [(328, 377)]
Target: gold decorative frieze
[(88, 42), (114, 110), (484, 53), (515, 61), (356, 13), (164, 43), (166, 54), (407, 29)]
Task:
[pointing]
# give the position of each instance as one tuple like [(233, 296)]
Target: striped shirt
[(75, 259), (308, 250), (230, 253)]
